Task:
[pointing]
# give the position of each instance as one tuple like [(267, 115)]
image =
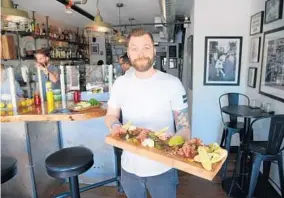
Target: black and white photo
[(252, 73), (273, 10), (190, 60), (222, 60), (272, 69), (256, 23), (255, 50), (95, 49)]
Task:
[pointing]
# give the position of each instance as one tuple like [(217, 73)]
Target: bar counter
[(30, 136), (33, 113)]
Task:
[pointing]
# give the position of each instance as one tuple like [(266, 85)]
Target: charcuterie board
[(190, 165)]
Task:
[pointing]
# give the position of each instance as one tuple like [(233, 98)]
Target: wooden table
[(30, 136)]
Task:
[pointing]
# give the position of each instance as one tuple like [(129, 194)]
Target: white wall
[(215, 18), (101, 41), (186, 69), (257, 6)]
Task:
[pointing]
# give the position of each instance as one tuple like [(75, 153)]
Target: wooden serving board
[(178, 162)]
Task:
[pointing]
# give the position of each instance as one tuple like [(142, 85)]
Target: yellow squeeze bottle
[(49, 97)]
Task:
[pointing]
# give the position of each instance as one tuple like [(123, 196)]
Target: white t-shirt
[(147, 103)]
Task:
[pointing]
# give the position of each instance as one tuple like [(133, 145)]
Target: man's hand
[(116, 130), (44, 69)]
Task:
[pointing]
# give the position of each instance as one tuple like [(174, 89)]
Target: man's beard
[(142, 64)]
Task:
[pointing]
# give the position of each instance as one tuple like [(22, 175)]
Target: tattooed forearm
[(182, 122)]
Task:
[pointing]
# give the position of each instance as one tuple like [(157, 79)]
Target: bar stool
[(232, 126), (266, 152), (69, 163), (8, 168)]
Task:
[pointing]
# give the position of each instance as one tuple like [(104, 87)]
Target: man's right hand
[(116, 130)]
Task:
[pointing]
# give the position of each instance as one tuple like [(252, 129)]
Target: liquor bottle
[(50, 30), (37, 29), (43, 30), (33, 26)]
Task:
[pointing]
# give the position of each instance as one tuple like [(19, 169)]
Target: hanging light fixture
[(98, 25), (12, 14), (13, 19), (119, 38)]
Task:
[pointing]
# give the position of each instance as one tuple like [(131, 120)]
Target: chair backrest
[(232, 99), (276, 133)]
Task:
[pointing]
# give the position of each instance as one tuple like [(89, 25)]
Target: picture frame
[(252, 75), (222, 61), (190, 60), (272, 71), (95, 49), (254, 54), (172, 63), (273, 10), (256, 23)]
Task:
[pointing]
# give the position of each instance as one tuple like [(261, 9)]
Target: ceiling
[(143, 11)]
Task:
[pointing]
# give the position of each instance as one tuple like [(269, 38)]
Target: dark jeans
[(160, 186)]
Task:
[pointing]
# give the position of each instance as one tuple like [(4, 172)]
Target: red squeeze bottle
[(37, 100), (77, 96)]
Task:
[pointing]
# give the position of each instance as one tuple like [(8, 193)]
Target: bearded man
[(152, 100)]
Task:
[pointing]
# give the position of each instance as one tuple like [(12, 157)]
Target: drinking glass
[(267, 107), (253, 104)]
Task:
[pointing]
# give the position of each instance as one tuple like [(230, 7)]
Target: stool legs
[(229, 135), (74, 187), (254, 175), (223, 138), (281, 174)]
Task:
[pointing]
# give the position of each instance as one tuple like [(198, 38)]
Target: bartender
[(5, 84), (48, 71)]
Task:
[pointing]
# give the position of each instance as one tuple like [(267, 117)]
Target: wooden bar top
[(33, 113)]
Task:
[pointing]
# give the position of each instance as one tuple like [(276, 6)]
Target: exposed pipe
[(146, 24), (78, 9)]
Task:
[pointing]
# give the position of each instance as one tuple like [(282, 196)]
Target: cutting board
[(178, 162), (8, 47)]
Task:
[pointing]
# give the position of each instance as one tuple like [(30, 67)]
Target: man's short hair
[(125, 58), (139, 32), (45, 52)]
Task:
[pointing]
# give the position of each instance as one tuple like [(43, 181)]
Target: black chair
[(232, 126), (8, 168), (266, 152), (69, 163)]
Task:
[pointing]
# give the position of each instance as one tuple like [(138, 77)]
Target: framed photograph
[(190, 60), (252, 74), (172, 63), (95, 49), (272, 68), (222, 62), (273, 10), (254, 53), (256, 23)]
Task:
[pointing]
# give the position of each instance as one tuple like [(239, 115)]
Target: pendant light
[(119, 38), (11, 14), (98, 25)]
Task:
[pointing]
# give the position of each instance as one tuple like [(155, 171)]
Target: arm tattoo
[(181, 119)]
